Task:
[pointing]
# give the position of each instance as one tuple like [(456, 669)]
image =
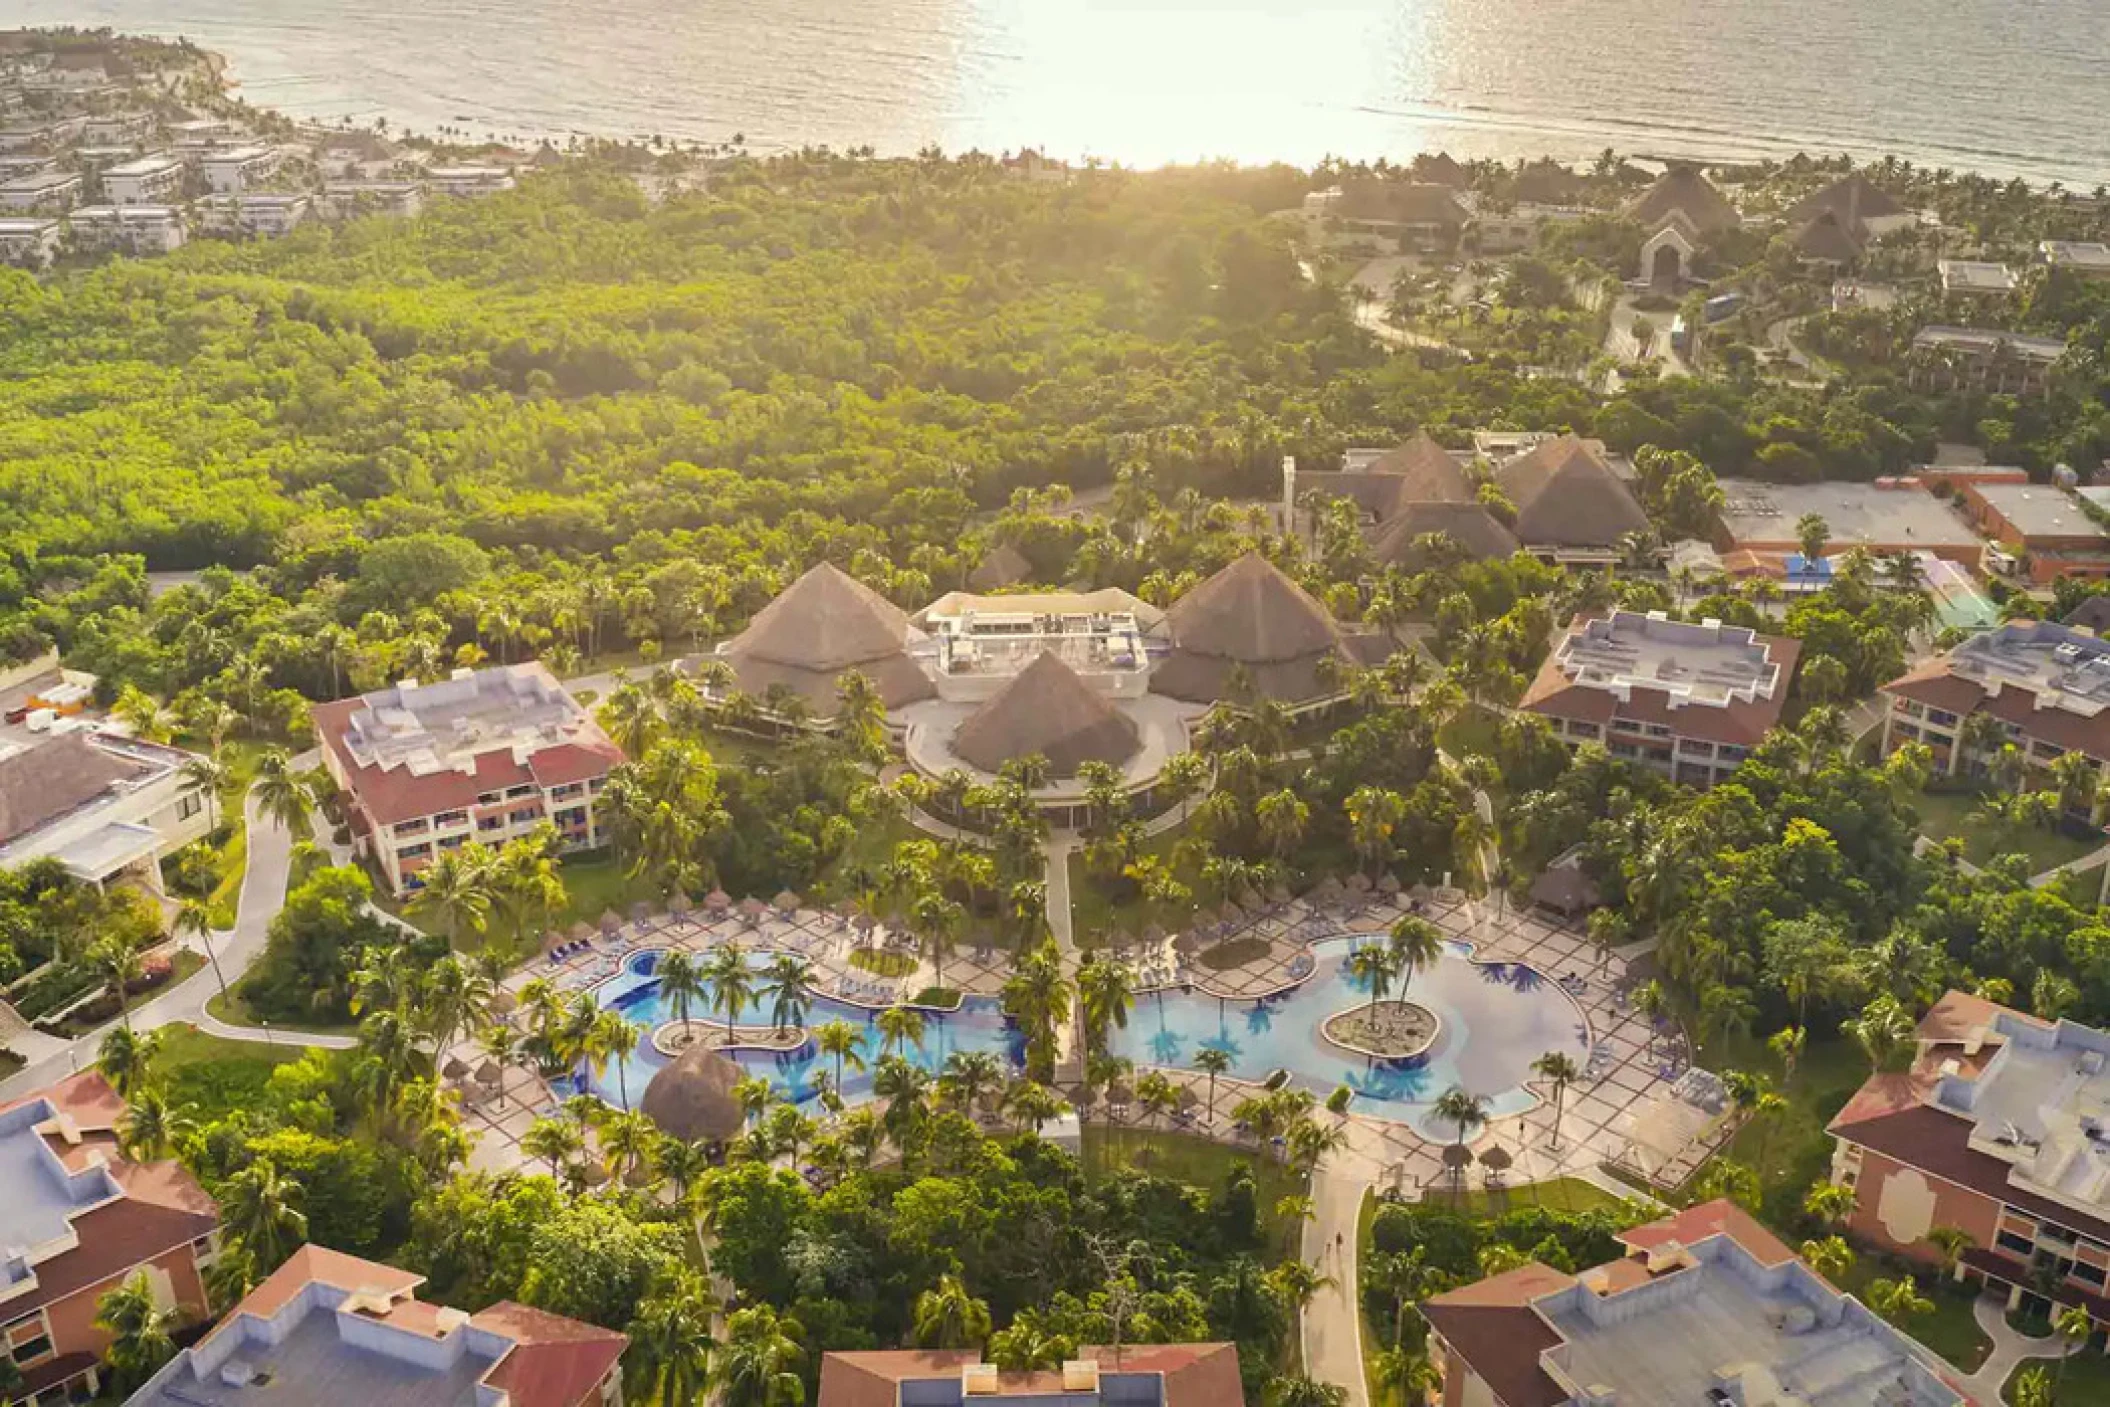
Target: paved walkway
[(2010, 1351), (1333, 1329)]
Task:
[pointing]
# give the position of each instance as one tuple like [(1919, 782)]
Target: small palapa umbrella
[(717, 901), (753, 908), (552, 940), (640, 911), (611, 922), (1388, 883), (786, 902), (488, 1074), (580, 930), (454, 1069), (1359, 883), (678, 903)]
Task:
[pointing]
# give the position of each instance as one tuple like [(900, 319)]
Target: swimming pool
[(1497, 1019), (979, 1024)]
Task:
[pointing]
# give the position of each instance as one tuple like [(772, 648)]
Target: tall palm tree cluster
[(515, 890)]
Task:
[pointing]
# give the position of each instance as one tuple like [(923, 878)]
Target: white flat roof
[(1753, 511)]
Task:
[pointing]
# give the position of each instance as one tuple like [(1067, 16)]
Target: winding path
[(1333, 1329), (2010, 1351)]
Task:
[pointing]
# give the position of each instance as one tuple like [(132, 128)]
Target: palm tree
[(1829, 1203), (1297, 1390), (968, 1076), (194, 917), (149, 1128), (1465, 1111), (1105, 993), (669, 1358), (1373, 965), (759, 1361), (457, 892), (1032, 1104), (1950, 1242), (682, 981), (499, 1044), (613, 1039), (1558, 1069), (2032, 1388), (126, 1059), (1829, 1256), (906, 1090), (119, 961), (947, 1316), (731, 981), (1212, 1061), (842, 1042), (1897, 1301), (555, 1141), (1296, 1284), (1415, 945), (2075, 1325), (208, 775), (259, 1210), (1408, 1377), (281, 793), (899, 1026), (628, 1141), (138, 1328), (786, 983)]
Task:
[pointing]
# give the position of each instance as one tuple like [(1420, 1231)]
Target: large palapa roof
[(1047, 709), (1478, 532), (1251, 616), (42, 783), (1567, 496), (1682, 190), (1852, 199), (1426, 472), (693, 1098), (819, 628)]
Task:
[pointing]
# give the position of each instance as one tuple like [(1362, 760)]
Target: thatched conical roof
[(1828, 239), (1426, 470), (819, 628), (693, 1099), (1683, 191), (1004, 566), (1852, 199), (1047, 709), (1250, 616), (1478, 533), (1567, 496)]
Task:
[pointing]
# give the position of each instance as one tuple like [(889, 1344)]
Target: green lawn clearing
[(882, 962), (214, 1076), (1563, 1194), (1791, 1150), (1190, 1159), (1951, 813), (1950, 1330)]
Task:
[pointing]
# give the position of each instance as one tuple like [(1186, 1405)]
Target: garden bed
[(883, 962), (1386, 1030)]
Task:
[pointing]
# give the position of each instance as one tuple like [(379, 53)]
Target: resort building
[(1572, 506), (1428, 218), (1251, 631), (1680, 212), (1864, 210), (1689, 700), (29, 243), (821, 627), (265, 216), (128, 229), (151, 180), (2001, 1129), (107, 808), (2036, 532), (1886, 517), (41, 193), (486, 755), (232, 170), (1137, 1375), (1982, 359), (2085, 258), (974, 646), (116, 129), (328, 1329), (2046, 684), (468, 181), (78, 1220), (345, 200), (1707, 1306), (1828, 242), (47, 136), (1973, 278)]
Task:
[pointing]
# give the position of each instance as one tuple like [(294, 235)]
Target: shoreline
[(1395, 131)]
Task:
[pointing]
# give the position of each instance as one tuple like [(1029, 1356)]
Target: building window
[(452, 842), (1941, 717), (2090, 1274), (189, 804), (2015, 1245), (489, 823), (526, 815), (575, 816), (489, 798), (515, 793), (451, 818), (415, 852), (416, 827), (566, 792)]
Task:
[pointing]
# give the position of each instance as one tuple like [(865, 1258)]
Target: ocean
[(2006, 87)]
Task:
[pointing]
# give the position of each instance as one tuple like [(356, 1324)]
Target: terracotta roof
[(1937, 1142), (1851, 198), (874, 1378), (819, 628), (554, 1361), (1720, 1217), (1741, 724), (392, 794), (1933, 685), (1683, 190), (1478, 532), (1959, 1014), (311, 1265), (1567, 496), (44, 782), (1047, 709), (1491, 1325)]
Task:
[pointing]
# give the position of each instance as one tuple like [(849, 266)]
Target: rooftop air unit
[(979, 1380)]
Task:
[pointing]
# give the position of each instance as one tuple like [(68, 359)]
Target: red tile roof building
[(77, 1218), (2047, 685), (1143, 1375), (327, 1328), (1996, 1130), (486, 755), (1705, 1300), (1687, 699)]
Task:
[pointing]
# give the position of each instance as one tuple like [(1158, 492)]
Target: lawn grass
[(182, 963), (1791, 1150), (2086, 1378), (1950, 1330), (1947, 813), (235, 1011), (882, 962), (1195, 1161), (213, 1076), (1094, 915), (1473, 729), (1235, 953), (1365, 1248)]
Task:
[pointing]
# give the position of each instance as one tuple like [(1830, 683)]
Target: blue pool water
[(1497, 1019), (979, 1025)]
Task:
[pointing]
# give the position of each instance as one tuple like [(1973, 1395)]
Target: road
[(270, 852), (1333, 1328)]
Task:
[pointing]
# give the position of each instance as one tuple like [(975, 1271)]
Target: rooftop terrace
[(2065, 668), (42, 1196), (2038, 510), (2041, 1103), (444, 726), (1096, 632), (1706, 663), (1898, 514)]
